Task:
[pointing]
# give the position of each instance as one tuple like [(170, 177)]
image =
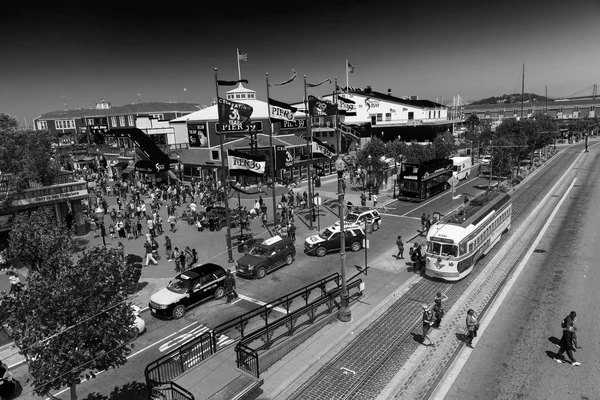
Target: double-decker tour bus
[(420, 181), (458, 240)]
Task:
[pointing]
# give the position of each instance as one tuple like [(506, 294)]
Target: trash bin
[(245, 239)]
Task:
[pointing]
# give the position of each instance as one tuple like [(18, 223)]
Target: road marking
[(400, 216), (262, 303), (197, 331), (347, 371)]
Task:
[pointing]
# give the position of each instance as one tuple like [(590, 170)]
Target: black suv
[(266, 257), (330, 240), (187, 289)]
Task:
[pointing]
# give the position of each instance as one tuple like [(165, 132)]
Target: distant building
[(563, 110)]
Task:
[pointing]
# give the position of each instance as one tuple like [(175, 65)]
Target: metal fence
[(170, 391), (263, 316), (179, 360), (258, 343)]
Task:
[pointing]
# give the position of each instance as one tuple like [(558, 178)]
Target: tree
[(39, 241), (472, 133), (74, 322), (443, 145), (25, 157)]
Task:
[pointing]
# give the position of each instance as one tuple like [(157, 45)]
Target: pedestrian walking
[(168, 247), (111, 231), (363, 200), (472, 327), (16, 286), (182, 260), (569, 324), (291, 231), (566, 345), (230, 286), (149, 256), (176, 257), (400, 245), (438, 309), (423, 223), (172, 220), (427, 323), (374, 201)]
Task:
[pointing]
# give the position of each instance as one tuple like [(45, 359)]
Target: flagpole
[(272, 155), (239, 69), (224, 181), (347, 84), (339, 133), (308, 157)]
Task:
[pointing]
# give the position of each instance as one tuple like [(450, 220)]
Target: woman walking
[(438, 309), (472, 327)]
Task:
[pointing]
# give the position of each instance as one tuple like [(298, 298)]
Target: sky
[(61, 55)]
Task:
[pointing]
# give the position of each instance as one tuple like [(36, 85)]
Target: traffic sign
[(453, 181)]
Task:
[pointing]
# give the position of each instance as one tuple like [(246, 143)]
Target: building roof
[(129, 109), (387, 97)]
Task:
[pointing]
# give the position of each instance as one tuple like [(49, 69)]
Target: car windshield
[(352, 218), (260, 251), (440, 249), (179, 285), (325, 234), (455, 168)]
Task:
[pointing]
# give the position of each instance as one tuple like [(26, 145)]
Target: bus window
[(434, 248)]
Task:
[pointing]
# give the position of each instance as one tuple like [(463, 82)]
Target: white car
[(139, 323), (486, 160)]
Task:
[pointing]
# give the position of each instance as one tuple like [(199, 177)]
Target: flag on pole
[(279, 111), (346, 107), (231, 83), (321, 148), (318, 84), (240, 163), (285, 82), (233, 116), (351, 68), (320, 108), (242, 56)]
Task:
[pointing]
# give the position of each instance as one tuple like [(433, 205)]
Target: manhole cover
[(539, 251)]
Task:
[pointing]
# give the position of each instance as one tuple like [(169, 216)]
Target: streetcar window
[(449, 250), (434, 248)]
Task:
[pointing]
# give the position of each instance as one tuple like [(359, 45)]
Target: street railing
[(177, 361), (263, 316), (253, 349), (170, 391)]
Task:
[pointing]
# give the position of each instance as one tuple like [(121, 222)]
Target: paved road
[(513, 359)]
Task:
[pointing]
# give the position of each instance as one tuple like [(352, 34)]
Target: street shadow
[(141, 285), (129, 391), (79, 244), (462, 337), (418, 337)]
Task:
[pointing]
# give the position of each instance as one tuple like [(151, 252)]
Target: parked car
[(359, 218), (265, 257), (330, 240), (188, 289)]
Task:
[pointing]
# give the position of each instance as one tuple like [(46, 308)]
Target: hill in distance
[(513, 98)]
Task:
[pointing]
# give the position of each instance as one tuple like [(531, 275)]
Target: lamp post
[(344, 314), (179, 168), (369, 183)]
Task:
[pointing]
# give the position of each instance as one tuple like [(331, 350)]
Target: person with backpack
[(569, 324), (427, 323), (566, 342)]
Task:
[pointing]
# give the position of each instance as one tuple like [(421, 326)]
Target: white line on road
[(399, 216), (262, 303)]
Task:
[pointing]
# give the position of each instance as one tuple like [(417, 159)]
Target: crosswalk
[(222, 340)]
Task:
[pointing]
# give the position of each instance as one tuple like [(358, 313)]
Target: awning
[(128, 169), (121, 164)]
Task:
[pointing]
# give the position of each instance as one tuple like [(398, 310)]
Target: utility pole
[(522, 90)]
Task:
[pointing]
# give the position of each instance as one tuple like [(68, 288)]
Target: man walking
[(472, 327), (400, 245), (230, 286), (292, 232), (149, 256)]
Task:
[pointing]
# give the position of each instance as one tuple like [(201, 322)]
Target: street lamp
[(344, 314), (369, 183)]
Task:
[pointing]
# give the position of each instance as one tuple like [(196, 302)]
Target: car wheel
[(289, 259), (375, 226), (355, 246), (179, 311), (321, 252), (261, 273), (219, 292)]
